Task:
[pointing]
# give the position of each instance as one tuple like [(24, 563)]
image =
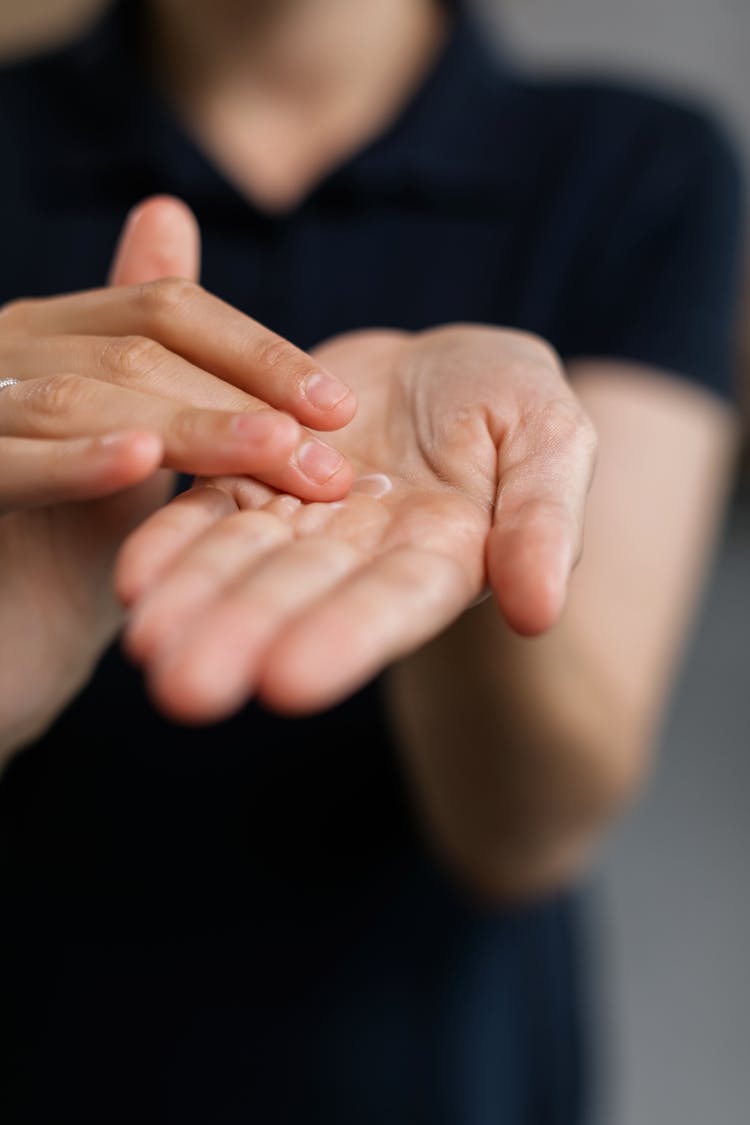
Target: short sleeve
[(659, 283)]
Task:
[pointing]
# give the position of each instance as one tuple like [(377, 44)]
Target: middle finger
[(185, 318), (129, 361)]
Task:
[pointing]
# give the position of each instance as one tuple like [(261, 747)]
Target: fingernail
[(318, 462), (324, 391)]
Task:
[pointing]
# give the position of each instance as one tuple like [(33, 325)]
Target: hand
[(165, 356), (474, 461), (98, 437)]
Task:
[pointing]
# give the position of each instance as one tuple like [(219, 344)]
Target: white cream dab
[(376, 484)]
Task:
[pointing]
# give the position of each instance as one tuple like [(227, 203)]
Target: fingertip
[(121, 460), (328, 403), (149, 630), (160, 238), (192, 692), (309, 474), (531, 612), (136, 639), (292, 701), (530, 583), (133, 572), (128, 585), (295, 678), (340, 485), (343, 413), (298, 696)]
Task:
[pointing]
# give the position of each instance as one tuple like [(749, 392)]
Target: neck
[(279, 91), (289, 48)]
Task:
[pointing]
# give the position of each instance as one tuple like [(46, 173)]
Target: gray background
[(702, 45), (672, 902)]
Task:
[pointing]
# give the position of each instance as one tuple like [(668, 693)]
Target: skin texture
[(240, 590)]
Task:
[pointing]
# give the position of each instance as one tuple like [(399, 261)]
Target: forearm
[(519, 751), (58, 614), (36, 690)]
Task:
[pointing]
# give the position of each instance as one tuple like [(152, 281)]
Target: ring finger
[(270, 446)]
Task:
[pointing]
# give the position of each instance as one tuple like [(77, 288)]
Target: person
[(324, 867)]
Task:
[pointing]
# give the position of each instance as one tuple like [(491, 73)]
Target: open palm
[(474, 461)]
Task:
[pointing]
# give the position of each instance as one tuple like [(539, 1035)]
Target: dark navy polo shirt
[(243, 923)]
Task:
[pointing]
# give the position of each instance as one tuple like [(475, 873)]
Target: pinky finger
[(40, 472)]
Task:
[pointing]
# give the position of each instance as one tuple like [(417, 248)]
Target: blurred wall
[(698, 44)]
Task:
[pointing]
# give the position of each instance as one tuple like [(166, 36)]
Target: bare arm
[(522, 750)]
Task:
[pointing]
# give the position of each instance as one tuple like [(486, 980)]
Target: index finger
[(208, 332)]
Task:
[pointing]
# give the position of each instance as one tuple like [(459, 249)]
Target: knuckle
[(58, 394), (186, 427), (535, 356), (278, 356), (576, 425), (566, 430), (130, 358), (546, 355), (62, 462), (537, 350), (164, 298), (562, 421)]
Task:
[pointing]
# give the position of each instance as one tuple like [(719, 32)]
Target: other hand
[(157, 353), (113, 385), (474, 460)]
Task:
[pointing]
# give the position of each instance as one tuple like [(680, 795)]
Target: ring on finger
[(8, 383)]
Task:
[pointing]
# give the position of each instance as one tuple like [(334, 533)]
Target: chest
[(341, 261)]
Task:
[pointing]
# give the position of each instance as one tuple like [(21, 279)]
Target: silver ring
[(8, 383)]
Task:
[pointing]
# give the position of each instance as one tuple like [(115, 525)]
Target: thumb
[(161, 238)]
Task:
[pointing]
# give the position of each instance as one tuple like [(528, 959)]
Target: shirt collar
[(118, 135)]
